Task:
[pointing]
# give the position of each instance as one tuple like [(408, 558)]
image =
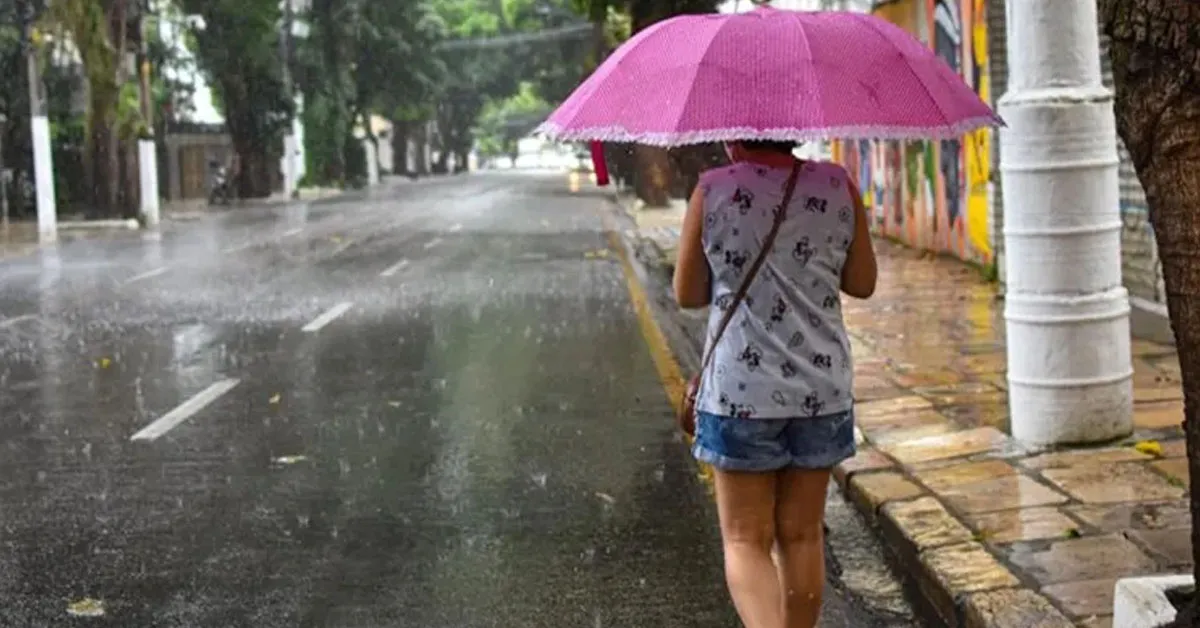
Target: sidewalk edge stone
[(955, 574)]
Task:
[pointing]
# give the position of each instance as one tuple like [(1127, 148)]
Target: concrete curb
[(130, 224), (956, 575)]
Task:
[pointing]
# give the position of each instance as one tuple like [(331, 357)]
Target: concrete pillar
[(372, 162), (43, 179), (148, 177), (290, 178), (1066, 313)]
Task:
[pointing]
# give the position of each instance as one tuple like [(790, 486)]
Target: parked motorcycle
[(221, 192)]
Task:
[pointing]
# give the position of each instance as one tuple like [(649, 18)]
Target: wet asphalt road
[(429, 406)]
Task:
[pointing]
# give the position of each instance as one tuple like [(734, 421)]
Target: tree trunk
[(421, 143), (102, 162), (653, 180), (691, 162), (255, 174), (1155, 52), (401, 131), (657, 175)]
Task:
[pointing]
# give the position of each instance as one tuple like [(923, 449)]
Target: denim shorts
[(733, 444)]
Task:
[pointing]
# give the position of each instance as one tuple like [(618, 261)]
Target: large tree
[(1155, 50), (657, 174), (238, 46), (102, 31), (396, 74)]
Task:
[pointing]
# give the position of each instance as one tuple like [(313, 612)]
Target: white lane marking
[(394, 268), (456, 228), (291, 232), (235, 249), (185, 410), (327, 317), (9, 322), (432, 243), (148, 274)]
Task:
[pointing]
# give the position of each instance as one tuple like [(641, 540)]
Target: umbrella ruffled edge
[(621, 135)]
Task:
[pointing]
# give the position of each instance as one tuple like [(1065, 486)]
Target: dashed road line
[(291, 232), (432, 243), (185, 410), (456, 228), (327, 317), (9, 322), (394, 268), (148, 274)]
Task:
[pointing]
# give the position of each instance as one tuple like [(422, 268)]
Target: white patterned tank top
[(786, 353)]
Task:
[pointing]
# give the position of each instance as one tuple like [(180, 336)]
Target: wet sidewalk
[(992, 530), (995, 534)]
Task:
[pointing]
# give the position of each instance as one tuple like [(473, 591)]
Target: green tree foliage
[(238, 47), (504, 122), (101, 32)]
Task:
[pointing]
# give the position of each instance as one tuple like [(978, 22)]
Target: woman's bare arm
[(861, 270), (692, 276)]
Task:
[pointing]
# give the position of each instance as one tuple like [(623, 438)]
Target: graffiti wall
[(933, 195)]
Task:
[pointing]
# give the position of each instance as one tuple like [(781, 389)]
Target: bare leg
[(800, 511), (746, 503)]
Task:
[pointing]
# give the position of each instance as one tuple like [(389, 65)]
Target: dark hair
[(768, 146)]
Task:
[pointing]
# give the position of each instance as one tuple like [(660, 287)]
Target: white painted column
[(43, 179), (148, 177), (372, 162), (290, 177), (1066, 313)]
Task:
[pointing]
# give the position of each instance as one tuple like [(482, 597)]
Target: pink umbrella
[(770, 74)]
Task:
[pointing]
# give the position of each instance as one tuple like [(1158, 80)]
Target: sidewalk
[(187, 208), (20, 237), (996, 535)]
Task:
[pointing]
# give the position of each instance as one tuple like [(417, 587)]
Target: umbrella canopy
[(770, 74)]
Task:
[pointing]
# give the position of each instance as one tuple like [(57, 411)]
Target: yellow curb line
[(669, 372)]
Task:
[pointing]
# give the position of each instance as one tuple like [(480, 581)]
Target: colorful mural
[(933, 195)]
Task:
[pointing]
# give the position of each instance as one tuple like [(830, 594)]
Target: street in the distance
[(429, 405)]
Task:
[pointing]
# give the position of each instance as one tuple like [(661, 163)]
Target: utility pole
[(290, 148), (1066, 313), (39, 122), (147, 150), (3, 175)]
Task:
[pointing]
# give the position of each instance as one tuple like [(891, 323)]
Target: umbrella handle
[(598, 163)]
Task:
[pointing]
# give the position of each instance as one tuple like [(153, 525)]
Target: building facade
[(946, 196)]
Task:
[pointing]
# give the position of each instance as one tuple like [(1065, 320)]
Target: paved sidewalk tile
[(995, 533), (1061, 526)]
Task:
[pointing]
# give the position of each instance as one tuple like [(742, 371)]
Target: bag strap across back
[(768, 242)]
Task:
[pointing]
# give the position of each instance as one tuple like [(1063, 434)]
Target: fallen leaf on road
[(104, 363), (595, 254), (394, 404), (87, 607), (287, 460), (275, 398), (1149, 447), (608, 499)]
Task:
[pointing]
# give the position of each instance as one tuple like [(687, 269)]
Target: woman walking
[(775, 404)]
